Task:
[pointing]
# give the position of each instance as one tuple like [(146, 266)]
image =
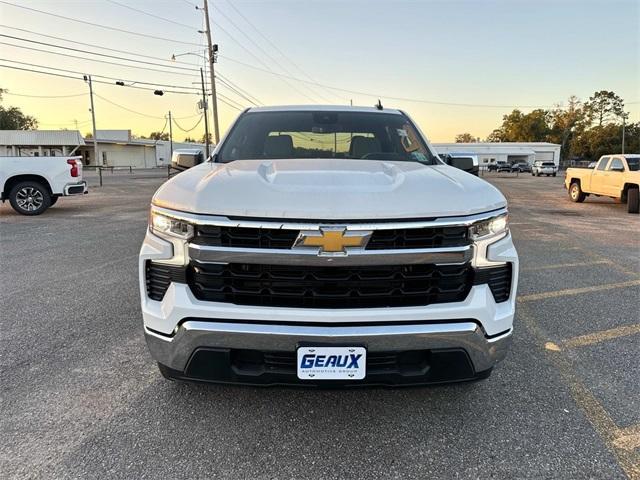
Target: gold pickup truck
[(615, 176)]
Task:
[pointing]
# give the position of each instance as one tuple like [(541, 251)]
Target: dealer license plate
[(332, 363)]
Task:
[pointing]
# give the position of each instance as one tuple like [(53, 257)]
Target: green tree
[(465, 138), (604, 107), (566, 122), (189, 140), (12, 118), (520, 127), (159, 136)]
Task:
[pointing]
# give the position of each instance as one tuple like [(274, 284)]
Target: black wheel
[(553, 175), (575, 193), (54, 200), (30, 198), (633, 200)]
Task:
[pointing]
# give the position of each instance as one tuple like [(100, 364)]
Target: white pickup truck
[(323, 246), (33, 184)]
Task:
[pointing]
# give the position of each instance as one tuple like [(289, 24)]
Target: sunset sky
[(489, 56)]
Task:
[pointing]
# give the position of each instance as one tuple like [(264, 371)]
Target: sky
[(455, 66)]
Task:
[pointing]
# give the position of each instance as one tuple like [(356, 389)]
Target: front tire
[(30, 198), (575, 193), (633, 200)]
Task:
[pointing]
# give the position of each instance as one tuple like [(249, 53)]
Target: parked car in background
[(544, 168), (500, 165), (33, 184), (327, 246), (615, 176), (521, 167)]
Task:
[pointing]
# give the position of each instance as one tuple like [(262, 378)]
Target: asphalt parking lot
[(81, 398)]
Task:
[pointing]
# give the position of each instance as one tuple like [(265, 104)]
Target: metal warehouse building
[(116, 148), (39, 143), (510, 152)]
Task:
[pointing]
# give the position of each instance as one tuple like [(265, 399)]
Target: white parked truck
[(323, 246), (33, 184)]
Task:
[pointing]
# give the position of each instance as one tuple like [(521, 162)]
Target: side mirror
[(463, 163)]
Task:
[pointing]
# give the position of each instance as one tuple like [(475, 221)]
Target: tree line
[(585, 130)]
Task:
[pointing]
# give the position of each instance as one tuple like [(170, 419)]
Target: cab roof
[(322, 108)]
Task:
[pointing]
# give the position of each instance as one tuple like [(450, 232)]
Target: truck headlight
[(167, 226), (489, 228)]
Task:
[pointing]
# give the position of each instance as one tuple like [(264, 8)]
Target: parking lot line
[(597, 337), (566, 265), (628, 438), (618, 440), (575, 291)]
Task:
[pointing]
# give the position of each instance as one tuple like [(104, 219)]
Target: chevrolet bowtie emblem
[(332, 240)]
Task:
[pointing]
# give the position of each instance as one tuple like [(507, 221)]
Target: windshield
[(634, 163), (324, 134)]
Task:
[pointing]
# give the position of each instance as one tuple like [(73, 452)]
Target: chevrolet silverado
[(327, 246), (615, 176), (33, 184)]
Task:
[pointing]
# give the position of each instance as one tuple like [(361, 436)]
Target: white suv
[(544, 168), (327, 245)]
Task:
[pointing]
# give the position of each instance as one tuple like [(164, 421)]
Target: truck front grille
[(241, 237), (400, 238), (329, 287)]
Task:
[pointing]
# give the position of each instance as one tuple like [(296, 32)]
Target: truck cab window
[(602, 165), (616, 164)]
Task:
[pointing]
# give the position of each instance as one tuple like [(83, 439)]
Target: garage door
[(544, 157)]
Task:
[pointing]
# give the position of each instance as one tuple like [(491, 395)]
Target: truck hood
[(328, 189)]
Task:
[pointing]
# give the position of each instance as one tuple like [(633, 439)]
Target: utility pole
[(204, 106), (87, 78), (170, 137), (623, 118), (212, 60)]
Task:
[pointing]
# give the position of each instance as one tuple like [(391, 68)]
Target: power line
[(265, 37), (97, 60), (126, 108), (232, 38), (95, 81), (189, 129), (230, 87), (132, 82), (231, 101), (97, 46), (230, 105), (190, 27), (264, 52), (43, 96), (85, 22), (381, 95)]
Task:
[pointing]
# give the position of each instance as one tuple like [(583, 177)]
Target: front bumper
[(218, 351)]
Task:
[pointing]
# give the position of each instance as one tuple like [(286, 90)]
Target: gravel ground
[(81, 398)]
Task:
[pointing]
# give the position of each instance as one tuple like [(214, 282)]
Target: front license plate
[(332, 363)]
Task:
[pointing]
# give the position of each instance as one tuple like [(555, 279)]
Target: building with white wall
[(39, 143), (118, 148), (510, 152)]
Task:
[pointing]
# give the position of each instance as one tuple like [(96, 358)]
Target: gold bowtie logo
[(332, 239)]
